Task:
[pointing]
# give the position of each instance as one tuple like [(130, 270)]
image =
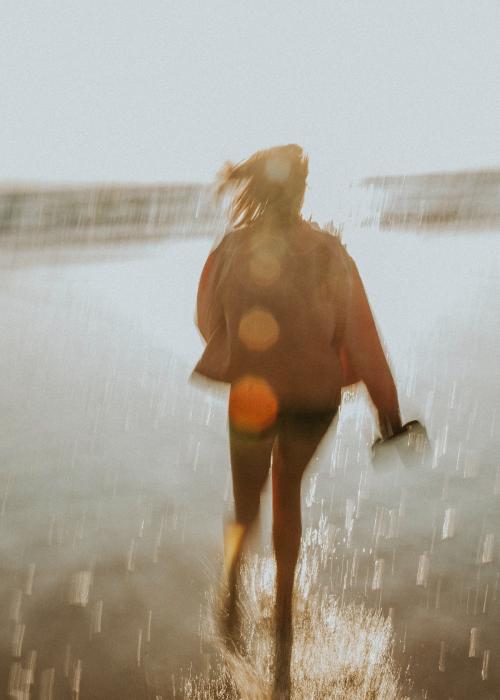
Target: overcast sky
[(167, 90)]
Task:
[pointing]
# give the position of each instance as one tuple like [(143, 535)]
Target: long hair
[(270, 182)]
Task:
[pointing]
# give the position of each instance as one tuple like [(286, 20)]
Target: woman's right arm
[(206, 314), (363, 357)]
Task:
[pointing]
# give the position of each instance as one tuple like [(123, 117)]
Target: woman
[(287, 324)]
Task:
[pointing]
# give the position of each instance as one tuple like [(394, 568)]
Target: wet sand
[(114, 473), (108, 534)]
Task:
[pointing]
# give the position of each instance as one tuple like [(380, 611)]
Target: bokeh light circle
[(258, 330), (253, 405)]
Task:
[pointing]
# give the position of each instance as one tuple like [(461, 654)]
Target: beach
[(114, 478)]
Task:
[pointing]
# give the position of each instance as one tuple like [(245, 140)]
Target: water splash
[(341, 652)]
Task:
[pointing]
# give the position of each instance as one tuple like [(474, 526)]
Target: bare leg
[(286, 539), (297, 441), (250, 463)]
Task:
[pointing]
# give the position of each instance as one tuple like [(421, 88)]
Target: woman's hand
[(390, 426), (410, 442)]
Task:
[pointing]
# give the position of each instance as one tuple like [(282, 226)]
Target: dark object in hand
[(409, 446)]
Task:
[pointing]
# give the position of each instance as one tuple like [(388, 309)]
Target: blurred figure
[(287, 324)]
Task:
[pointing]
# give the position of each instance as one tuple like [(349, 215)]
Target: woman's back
[(275, 300)]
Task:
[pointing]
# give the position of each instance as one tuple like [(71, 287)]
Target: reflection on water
[(114, 481)]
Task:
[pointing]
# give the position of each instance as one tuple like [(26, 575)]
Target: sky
[(167, 90)]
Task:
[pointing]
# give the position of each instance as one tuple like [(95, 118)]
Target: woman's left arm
[(363, 358)]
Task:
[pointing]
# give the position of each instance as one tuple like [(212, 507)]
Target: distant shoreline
[(34, 214), (462, 199)]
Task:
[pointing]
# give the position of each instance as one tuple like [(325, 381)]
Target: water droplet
[(131, 556), (79, 588), (28, 586), (378, 574), (424, 564), (96, 618), (449, 524), (474, 642), (17, 640)]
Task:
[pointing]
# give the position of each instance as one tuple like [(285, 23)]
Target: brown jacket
[(290, 307)]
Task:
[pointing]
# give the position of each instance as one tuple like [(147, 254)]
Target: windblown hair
[(270, 182)]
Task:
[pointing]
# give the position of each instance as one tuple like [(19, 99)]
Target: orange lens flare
[(253, 405)]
